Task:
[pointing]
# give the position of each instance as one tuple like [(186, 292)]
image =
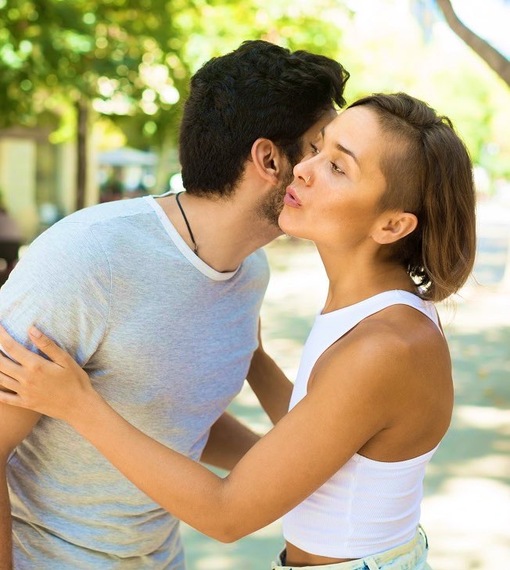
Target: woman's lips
[(291, 199)]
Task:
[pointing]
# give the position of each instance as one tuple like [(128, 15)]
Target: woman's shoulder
[(395, 346), (391, 363), (394, 331), (399, 329)]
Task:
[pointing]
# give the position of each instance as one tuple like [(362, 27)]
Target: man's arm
[(15, 425), (272, 388), (229, 440)]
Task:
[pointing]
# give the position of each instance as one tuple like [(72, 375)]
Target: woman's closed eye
[(336, 169)]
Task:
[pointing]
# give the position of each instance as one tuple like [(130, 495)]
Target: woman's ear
[(393, 226), (267, 160)]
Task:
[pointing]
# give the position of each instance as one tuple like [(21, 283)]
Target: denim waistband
[(374, 562)]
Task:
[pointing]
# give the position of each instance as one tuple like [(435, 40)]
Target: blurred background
[(91, 91), (91, 94)]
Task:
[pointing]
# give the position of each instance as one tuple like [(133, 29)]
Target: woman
[(386, 194)]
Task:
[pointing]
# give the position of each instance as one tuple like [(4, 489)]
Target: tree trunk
[(494, 59), (82, 112)]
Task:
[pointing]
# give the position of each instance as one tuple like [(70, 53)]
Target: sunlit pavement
[(466, 509)]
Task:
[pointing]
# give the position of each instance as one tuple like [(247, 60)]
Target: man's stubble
[(271, 207)]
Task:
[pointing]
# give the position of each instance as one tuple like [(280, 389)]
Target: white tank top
[(367, 506)]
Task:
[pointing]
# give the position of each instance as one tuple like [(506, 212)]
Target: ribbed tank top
[(368, 506)]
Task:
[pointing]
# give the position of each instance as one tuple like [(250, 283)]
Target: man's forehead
[(326, 118)]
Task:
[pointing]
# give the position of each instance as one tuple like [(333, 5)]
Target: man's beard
[(272, 206)]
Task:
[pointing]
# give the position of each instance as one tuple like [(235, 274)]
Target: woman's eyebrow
[(342, 148)]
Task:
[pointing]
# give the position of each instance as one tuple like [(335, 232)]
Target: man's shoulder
[(89, 227), (257, 265), (109, 212), (259, 258)]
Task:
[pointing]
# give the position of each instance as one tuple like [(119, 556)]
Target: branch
[(494, 59)]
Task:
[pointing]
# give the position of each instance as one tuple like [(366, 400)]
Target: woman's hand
[(56, 387)]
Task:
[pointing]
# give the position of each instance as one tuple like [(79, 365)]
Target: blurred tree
[(131, 60), (430, 11), (209, 28), (57, 53), (494, 59), (457, 80)]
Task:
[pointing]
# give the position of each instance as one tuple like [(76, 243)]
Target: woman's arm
[(304, 450)]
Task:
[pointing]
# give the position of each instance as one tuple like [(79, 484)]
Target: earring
[(307, 180)]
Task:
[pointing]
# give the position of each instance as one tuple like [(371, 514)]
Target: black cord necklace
[(195, 246)]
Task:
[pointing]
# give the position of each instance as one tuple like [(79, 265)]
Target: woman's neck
[(354, 280)]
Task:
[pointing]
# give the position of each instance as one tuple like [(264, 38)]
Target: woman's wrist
[(81, 414)]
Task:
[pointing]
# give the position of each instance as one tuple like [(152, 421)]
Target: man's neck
[(226, 231)]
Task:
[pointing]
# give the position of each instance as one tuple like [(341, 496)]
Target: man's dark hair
[(260, 90)]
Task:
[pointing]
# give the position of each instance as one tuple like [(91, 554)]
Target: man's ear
[(393, 226), (267, 160)]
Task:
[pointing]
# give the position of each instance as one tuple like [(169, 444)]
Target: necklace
[(195, 246)]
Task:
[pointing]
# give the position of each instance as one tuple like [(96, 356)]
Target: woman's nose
[(301, 172)]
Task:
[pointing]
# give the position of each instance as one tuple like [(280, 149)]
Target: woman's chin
[(290, 229), (285, 224)]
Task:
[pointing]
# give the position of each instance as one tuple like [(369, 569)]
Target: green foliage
[(132, 59), (202, 30), (433, 65), (54, 52)]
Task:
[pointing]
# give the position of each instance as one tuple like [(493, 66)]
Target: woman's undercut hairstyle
[(429, 173), (260, 90)]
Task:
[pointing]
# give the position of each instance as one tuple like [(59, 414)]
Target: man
[(159, 300)]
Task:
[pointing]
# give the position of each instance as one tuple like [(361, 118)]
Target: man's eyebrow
[(342, 148)]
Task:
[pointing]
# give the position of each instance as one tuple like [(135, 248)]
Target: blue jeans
[(409, 556)]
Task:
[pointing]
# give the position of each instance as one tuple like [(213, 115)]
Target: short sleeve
[(62, 284)]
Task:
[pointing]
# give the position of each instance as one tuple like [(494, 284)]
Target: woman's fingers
[(29, 359), (13, 349), (6, 382), (52, 387), (48, 347), (10, 368), (11, 399), (9, 391)]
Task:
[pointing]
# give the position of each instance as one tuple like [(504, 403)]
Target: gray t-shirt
[(166, 339)]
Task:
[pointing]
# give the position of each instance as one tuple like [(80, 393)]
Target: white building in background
[(38, 178)]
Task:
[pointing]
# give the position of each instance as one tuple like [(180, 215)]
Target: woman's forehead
[(356, 128), (353, 116)]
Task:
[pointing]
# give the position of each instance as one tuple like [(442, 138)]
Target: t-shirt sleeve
[(62, 284)]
